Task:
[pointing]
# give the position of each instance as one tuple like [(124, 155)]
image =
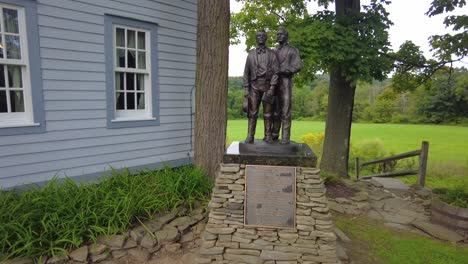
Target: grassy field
[(446, 143)]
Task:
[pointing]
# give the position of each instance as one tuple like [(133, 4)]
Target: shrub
[(457, 196), (368, 150), (59, 217), (315, 142)]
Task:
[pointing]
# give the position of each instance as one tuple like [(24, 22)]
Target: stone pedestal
[(228, 240)]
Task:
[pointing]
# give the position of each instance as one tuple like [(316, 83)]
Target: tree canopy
[(351, 44)]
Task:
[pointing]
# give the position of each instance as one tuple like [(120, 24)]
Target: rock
[(130, 243), (173, 247), (154, 225), (212, 251), (437, 231), (378, 195), (390, 183), (119, 253), (188, 258), (250, 252), (166, 218), (396, 218), (190, 236), (140, 255), (341, 236), (115, 241), (137, 233), (80, 254), (373, 214), (360, 197), (97, 249), (148, 241), (243, 259), (424, 193), (395, 204), (208, 236), (343, 201), (100, 257), (58, 259), (277, 255), (341, 253), (397, 226), (220, 230), (168, 234)]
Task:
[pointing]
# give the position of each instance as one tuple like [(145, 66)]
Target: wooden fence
[(421, 172)]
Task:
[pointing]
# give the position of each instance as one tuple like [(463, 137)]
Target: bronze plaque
[(270, 196)]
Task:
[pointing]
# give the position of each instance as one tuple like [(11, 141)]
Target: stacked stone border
[(227, 240)]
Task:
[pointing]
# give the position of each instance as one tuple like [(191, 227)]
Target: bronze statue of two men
[(268, 78)]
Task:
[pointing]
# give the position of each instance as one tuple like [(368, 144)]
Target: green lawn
[(389, 246), (446, 143)]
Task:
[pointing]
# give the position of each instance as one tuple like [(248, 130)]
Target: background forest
[(442, 100)]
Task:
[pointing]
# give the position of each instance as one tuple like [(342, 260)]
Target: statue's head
[(261, 37), (282, 35)]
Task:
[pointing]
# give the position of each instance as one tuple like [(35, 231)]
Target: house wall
[(72, 60)]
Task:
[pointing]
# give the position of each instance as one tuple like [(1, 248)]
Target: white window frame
[(19, 118), (136, 114)]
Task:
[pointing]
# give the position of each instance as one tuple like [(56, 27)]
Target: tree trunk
[(338, 127), (211, 84), (340, 109)]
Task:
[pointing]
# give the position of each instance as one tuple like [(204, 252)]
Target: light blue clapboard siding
[(60, 137), (89, 149), (72, 50)]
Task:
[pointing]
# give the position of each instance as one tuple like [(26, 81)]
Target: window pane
[(119, 101), (130, 81), (120, 37), (2, 49), (131, 39), (15, 79), (131, 58), (13, 47), (141, 40), (130, 101), (3, 102), (140, 82), (141, 100), (119, 81), (2, 76), (10, 18), (141, 60), (120, 58), (17, 101)]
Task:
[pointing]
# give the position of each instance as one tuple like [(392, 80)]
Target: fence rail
[(421, 171)]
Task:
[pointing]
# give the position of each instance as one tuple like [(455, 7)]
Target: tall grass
[(61, 216)]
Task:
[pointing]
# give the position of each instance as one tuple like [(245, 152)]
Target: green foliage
[(367, 150), (315, 142), (446, 97), (61, 216), (355, 41), (412, 69), (394, 247), (384, 107), (457, 196)]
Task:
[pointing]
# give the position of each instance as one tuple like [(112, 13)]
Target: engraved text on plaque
[(270, 196)]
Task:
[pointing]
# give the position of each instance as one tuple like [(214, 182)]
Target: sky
[(408, 17)]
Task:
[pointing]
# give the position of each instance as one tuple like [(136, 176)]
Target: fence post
[(423, 163), (356, 169)]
